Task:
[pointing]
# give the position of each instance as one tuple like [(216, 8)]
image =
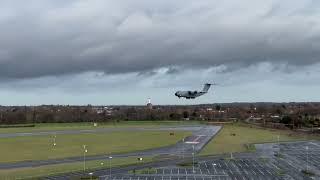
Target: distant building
[(149, 105)]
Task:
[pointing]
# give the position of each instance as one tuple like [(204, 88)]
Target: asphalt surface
[(200, 137)]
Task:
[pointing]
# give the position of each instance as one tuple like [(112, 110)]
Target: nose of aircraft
[(176, 94)]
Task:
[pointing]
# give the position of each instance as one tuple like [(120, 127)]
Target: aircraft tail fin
[(206, 87)]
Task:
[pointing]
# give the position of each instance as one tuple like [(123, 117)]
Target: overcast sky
[(125, 51)]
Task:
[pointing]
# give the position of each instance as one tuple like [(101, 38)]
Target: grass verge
[(239, 138), (36, 172), (71, 145)]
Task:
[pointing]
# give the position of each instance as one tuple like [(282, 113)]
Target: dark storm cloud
[(50, 37)]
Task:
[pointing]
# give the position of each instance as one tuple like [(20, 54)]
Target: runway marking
[(195, 141), (190, 142), (25, 133)]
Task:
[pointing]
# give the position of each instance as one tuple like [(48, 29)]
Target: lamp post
[(110, 158), (54, 140), (307, 148), (278, 139), (85, 150), (193, 158), (183, 148)]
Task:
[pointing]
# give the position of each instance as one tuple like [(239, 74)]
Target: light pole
[(183, 148), (307, 148), (110, 158), (278, 138), (84, 157), (91, 175), (193, 158), (54, 140)]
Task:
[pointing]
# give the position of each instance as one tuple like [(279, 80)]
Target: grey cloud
[(69, 37)]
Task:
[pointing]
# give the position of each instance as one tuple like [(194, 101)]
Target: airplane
[(193, 94)]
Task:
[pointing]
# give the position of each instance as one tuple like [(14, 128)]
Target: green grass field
[(225, 142), (89, 125), (28, 173), (41, 147)]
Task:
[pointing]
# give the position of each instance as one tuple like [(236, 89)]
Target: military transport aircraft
[(193, 94)]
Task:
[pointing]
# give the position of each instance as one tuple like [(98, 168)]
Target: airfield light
[(91, 175)]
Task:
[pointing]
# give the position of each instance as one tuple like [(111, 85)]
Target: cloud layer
[(50, 37), (258, 50)]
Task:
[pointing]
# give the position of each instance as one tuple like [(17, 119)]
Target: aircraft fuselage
[(193, 94)]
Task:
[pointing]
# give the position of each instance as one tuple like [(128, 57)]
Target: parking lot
[(237, 169), (305, 152), (270, 161), (294, 158)]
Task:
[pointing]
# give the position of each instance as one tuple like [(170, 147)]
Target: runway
[(99, 130)]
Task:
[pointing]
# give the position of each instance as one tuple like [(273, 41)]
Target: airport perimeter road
[(192, 144)]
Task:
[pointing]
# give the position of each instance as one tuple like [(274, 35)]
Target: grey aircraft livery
[(193, 94)]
